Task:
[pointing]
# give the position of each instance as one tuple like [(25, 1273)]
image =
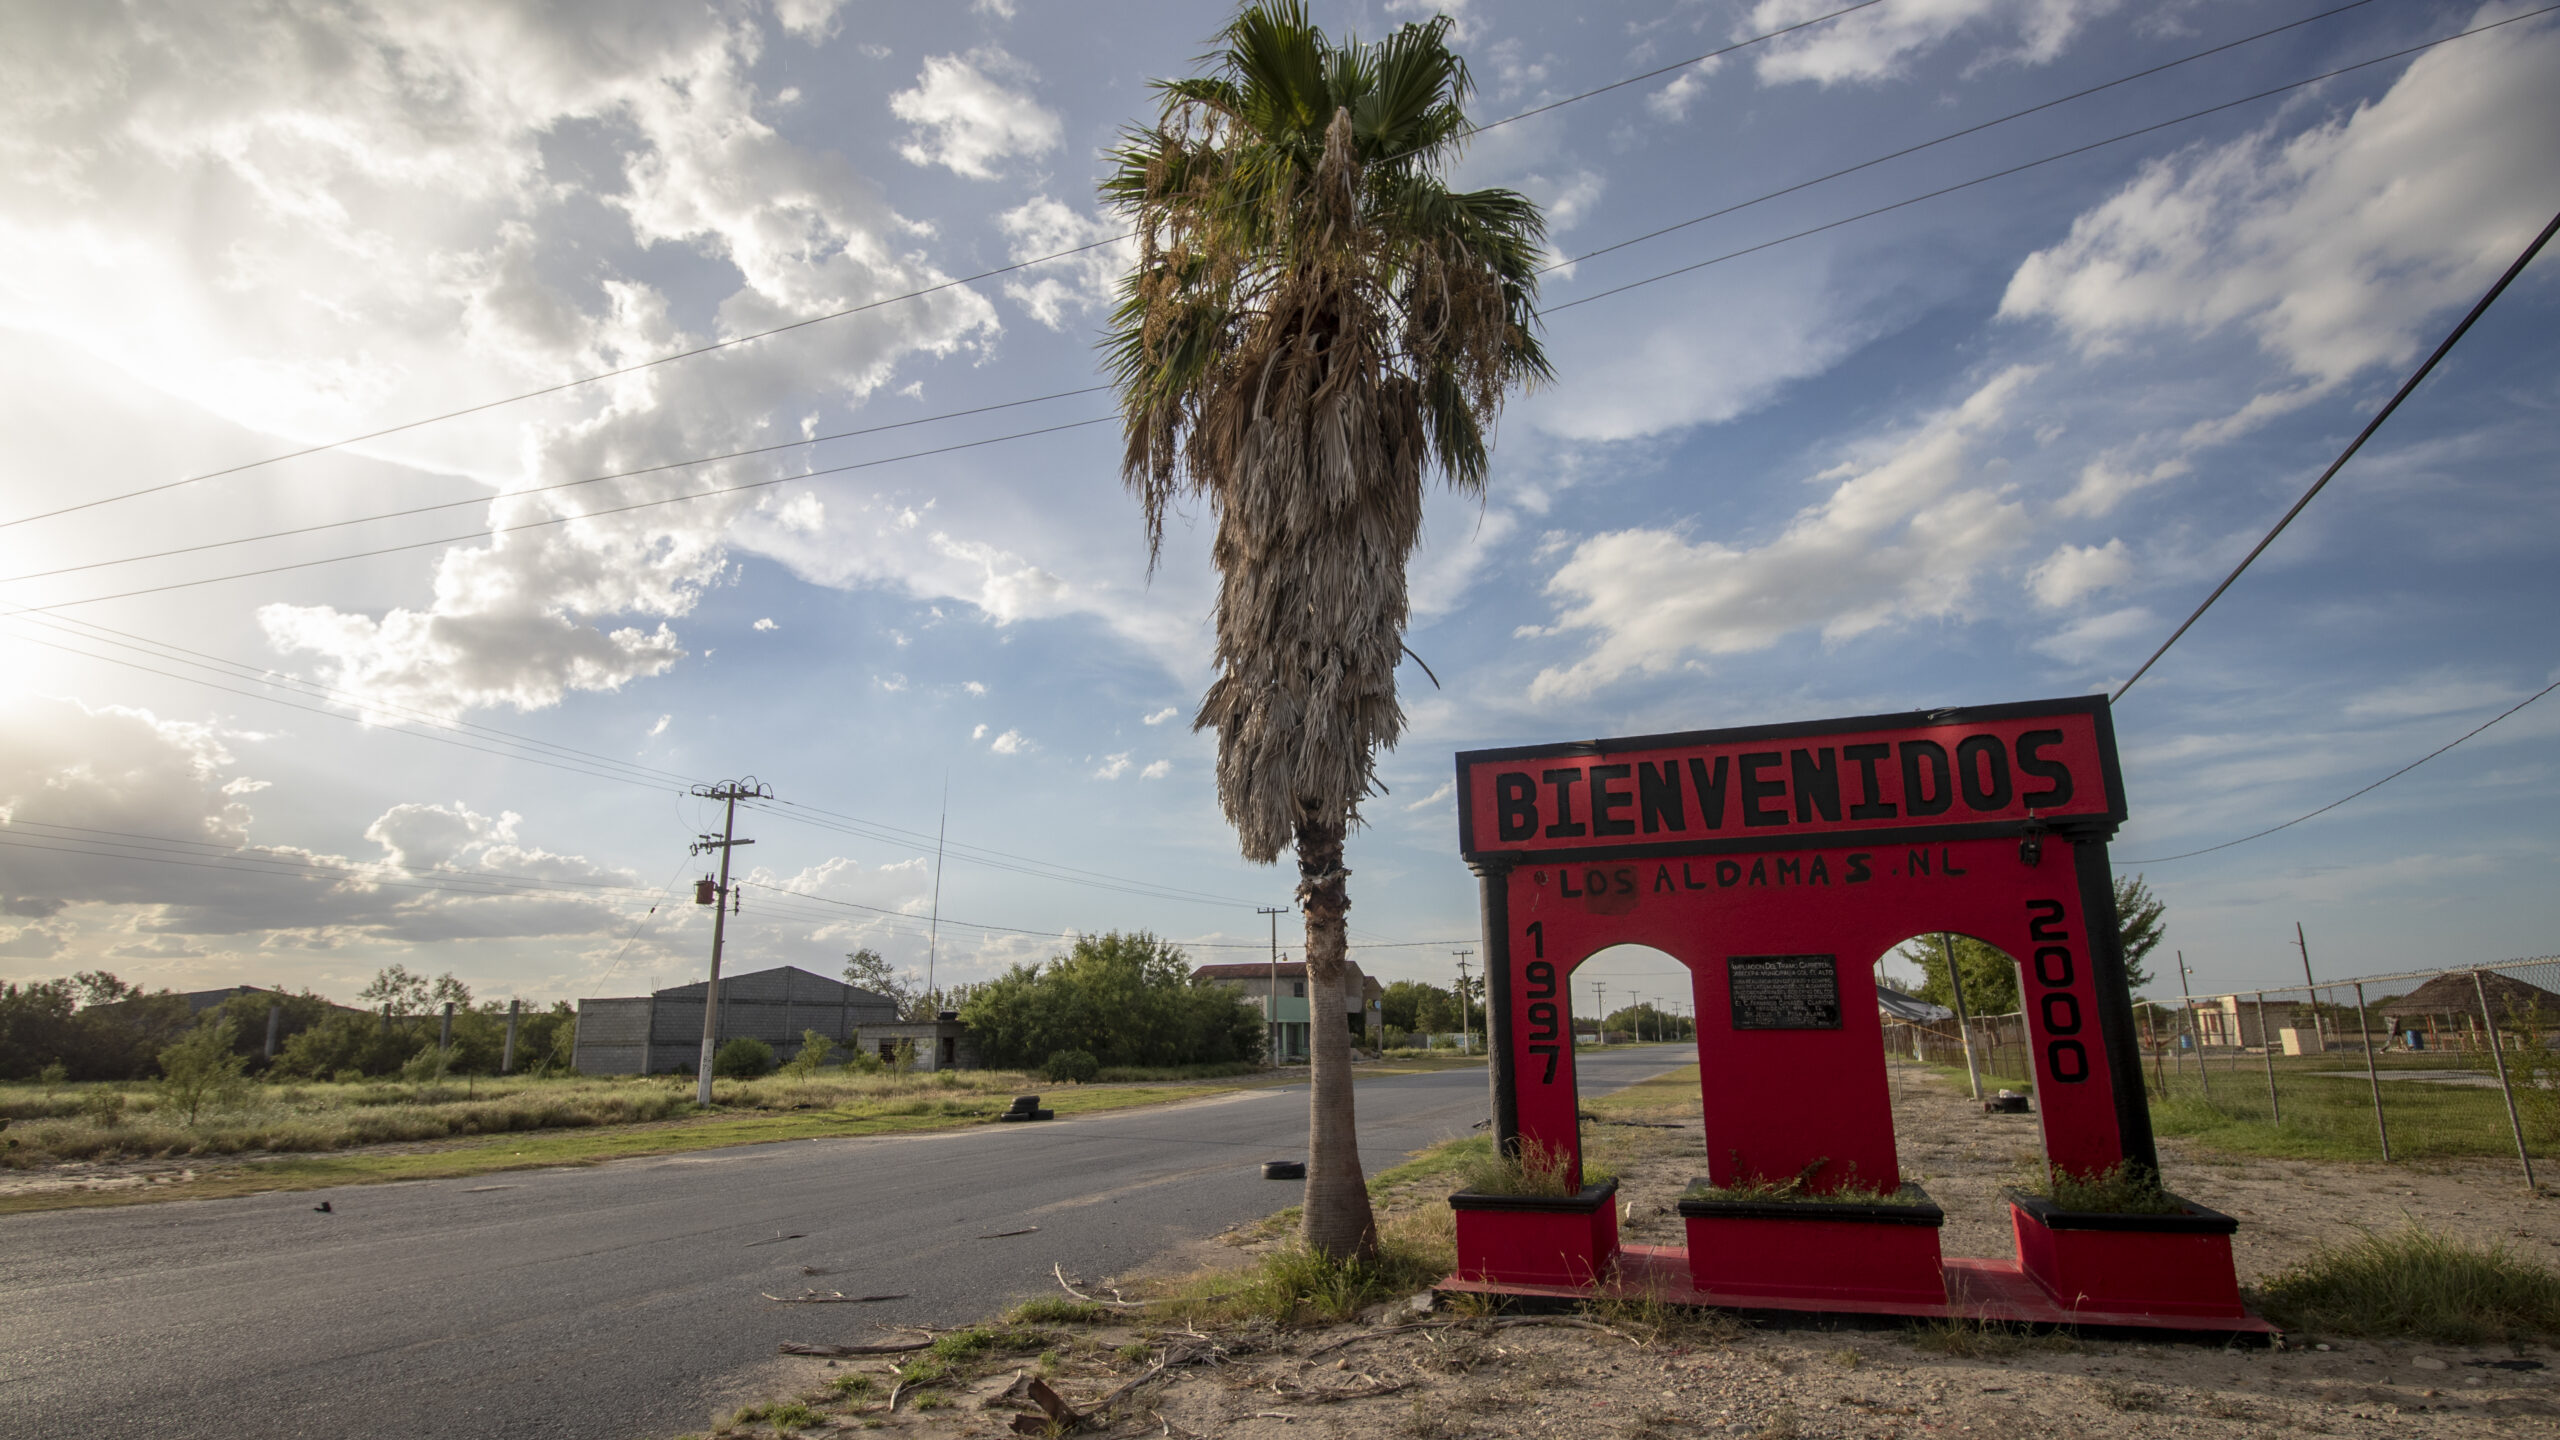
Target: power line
[(1992, 123), (2059, 155), (566, 519), (802, 324), (2376, 785), (1737, 206), (2354, 445), (503, 495)]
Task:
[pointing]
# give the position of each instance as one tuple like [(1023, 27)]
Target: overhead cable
[(2353, 446), (2376, 785), (864, 308)]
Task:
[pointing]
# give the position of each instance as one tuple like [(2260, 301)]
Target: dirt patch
[(1626, 1371)]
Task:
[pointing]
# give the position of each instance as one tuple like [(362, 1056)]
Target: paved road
[(610, 1302)]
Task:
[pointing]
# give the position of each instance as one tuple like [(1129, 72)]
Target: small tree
[(203, 1070), (1070, 1066), (2141, 921), (814, 1049)]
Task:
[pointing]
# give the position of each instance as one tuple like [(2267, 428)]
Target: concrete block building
[(662, 1032)]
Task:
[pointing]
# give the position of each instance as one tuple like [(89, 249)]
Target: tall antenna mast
[(933, 933)]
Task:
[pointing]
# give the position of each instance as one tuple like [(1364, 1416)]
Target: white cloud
[(1010, 742), (661, 727), (1000, 9), (2442, 693), (1461, 25), (2336, 247), (1156, 770), (810, 20), (1077, 283), (962, 117), (2088, 639), (1161, 716), (1899, 538), (1877, 43), (974, 688), (1113, 766), (1435, 798), (980, 733), (767, 624), (1671, 102), (2074, 571), (311, 224)]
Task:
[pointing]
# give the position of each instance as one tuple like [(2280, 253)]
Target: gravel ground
[(1441, 1376)]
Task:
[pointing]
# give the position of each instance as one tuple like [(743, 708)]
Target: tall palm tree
[(1316, 321)]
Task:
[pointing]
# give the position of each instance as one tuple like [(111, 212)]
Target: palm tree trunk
[(1337, 1222)]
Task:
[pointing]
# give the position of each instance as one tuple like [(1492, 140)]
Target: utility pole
[(1466, 1031), (1602, 990), (2318, 1034), (1271, 1012), (730, 792), (507, 1059), (1964, 1026)]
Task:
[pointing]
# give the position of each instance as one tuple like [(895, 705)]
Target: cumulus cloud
[(1113, 766), (1877, 44), (2333, 247), (314, 223), (1054, 289), (2076, 571), (1161, 716), (962, 117), (1156, 770), (767, 624), (1010, 742), (2096, 636), (126, 838), (1900, 537)]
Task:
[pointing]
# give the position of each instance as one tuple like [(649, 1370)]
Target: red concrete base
[(1978, 1290), (1815, 1250), (1531, 1240), (2150, 1264)]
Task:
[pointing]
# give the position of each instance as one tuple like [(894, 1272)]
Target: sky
[(1824, 458)]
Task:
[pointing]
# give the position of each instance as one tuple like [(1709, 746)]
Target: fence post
[(2499, 1050), (2151, 1030), (2372, 1075), (507, 1061), (2267, 1045), (275, 1019), (1955, 992), (444, 1036)]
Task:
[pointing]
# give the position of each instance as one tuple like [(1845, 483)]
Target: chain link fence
[(2417, 1065)]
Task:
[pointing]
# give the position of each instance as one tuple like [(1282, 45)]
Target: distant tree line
[(96, 1027)]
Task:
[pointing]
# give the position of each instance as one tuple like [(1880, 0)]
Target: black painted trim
[(2117, 1033), (1925, 1213), (1501, 1070), (2096, 830), (2193, 1220), (1586, 1203)]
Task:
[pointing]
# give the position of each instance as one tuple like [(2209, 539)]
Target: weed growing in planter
[(2417, 1282)]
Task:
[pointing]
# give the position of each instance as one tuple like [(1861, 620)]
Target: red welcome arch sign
[(1778, 863)]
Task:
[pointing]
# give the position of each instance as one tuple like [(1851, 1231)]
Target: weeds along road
[(617, 1301)]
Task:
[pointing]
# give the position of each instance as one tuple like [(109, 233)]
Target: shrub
[(1538, 1170), (53, 1077), (1058, 1310), (743, 1058), (2417, 1282), (103, 1108), (427, 1066), (1070, 1065), (203, 1070)]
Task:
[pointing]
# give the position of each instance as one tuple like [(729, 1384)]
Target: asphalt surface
[(621, 1300)]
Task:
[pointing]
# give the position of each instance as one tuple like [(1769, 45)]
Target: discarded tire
[(2006, 1103), (1284, 1169)]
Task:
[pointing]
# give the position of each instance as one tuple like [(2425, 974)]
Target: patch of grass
[(978, 1341), (2328, 1109), (1135, 1353), (1977, 1339), (1293, 1285), (895, 1109), (2130, 1399), (1058, 1310), (925, 1369), (2124, 1189), (932, 1400), (852, 1387), (2420, 1283), (1792, 1191)]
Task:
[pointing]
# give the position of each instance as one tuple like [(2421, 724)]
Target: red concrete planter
[(1816, 1250), (1535, 1240), (2113, 1263)]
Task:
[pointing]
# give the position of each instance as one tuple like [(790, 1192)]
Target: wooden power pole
[(730, 792)]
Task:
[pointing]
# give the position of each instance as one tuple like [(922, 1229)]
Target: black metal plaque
[(1784, 992)]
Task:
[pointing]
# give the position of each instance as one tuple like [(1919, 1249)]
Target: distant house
[(660, 1033), (1280, 993)]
